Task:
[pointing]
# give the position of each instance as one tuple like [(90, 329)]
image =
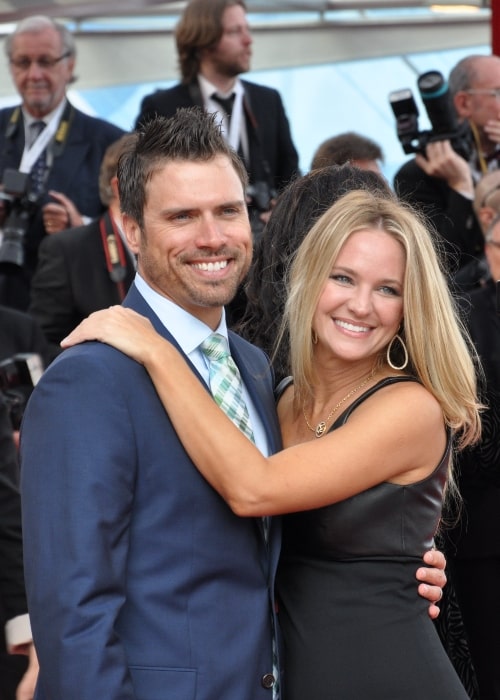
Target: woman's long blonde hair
[(441, 354)]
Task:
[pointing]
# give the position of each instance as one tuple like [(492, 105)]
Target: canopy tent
[(127, 41)]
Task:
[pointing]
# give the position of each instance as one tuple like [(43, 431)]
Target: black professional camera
[(21, 205), (18, 375), (434, 92), (260, 196)]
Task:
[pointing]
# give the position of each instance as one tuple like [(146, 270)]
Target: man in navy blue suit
[(141, 582), (56, 146)]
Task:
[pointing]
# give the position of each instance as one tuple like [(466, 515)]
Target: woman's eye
[(343, 279), (389, 290)]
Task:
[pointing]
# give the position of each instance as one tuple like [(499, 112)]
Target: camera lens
[(438, 104), (431, 84)]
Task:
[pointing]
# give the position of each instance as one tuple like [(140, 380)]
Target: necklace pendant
[(320, 429)]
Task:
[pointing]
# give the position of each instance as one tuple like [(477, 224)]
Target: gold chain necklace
[(320, 429)]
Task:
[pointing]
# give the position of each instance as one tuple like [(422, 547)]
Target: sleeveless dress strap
[(283, 384), (365, 395)]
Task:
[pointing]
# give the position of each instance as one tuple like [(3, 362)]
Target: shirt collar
[(207, 88), (56, 113), (187, 330)]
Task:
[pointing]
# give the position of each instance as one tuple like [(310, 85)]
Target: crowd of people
[(292, 544)]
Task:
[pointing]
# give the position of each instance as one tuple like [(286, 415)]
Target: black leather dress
[(354, 625)]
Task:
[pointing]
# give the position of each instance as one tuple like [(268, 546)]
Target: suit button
[(268, 680)]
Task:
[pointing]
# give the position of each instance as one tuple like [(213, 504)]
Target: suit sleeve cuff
[(18, 632)]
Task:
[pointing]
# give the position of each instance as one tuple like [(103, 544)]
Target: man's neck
[(482, 141), (35, 114), (114, 210), (223, 83)]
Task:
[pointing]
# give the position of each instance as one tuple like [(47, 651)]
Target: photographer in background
[(58, 149), (214, 44), (441, 182)]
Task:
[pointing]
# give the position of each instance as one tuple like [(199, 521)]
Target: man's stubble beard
[(169, 282)]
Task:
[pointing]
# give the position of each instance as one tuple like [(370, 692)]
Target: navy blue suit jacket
[(270, 139), (75, 173), (141, 582)]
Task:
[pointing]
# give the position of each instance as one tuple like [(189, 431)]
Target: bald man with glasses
[(440, 182)]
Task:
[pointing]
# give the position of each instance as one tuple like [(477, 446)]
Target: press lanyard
[(31, 155)]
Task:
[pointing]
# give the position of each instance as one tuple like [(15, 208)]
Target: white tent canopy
[(127, 41)]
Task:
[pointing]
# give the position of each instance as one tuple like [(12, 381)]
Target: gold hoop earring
[(314, 336), (405, 353)]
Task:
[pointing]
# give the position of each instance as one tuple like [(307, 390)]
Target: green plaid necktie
[(225, 382), (227, 389)]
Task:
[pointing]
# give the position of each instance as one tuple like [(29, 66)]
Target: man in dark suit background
[(62, 161), (214, 47), (87, 268)]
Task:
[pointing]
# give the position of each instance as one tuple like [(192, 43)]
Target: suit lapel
[(263, 404), (136, 301), (74, 153)]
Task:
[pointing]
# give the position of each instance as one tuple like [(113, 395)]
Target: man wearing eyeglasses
[(440, 181), (56, 146)]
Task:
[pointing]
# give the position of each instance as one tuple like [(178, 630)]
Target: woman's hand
[(122, 328), (433, 579)]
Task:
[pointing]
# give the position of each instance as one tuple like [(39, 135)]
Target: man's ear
[(486, 216), (113, 183), (132, 233), (461, 101)]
